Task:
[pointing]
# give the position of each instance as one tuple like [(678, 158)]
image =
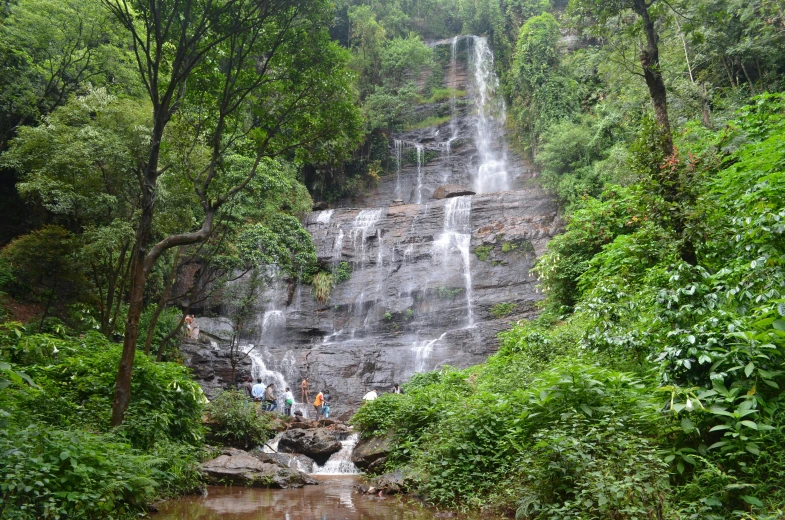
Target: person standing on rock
[(305, 392), (288, 401), (317, 403), (269, 398), (257, 392), (247, 387), (326, 398)]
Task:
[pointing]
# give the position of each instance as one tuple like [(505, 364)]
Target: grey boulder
[(315, 443), (446, 191), (368, 453), (235, 466)]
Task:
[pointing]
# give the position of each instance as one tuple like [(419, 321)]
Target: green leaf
[(750, 424), (687, 425), (779, 325), (753, 448), (752, 500), (680, 467), (587, 409), (749, 368)]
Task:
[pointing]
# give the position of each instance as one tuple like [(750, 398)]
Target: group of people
[(267, 399), (370, 396)]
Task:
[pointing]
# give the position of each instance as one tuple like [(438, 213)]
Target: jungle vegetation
[(151, 153)]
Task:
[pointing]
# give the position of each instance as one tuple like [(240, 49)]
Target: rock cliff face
[(431, 281)]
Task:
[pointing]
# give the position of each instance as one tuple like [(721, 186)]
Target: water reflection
[(334, 499)]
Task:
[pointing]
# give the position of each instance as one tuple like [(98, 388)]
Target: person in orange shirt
[(317, 403)]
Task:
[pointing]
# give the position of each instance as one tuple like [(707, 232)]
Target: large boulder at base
[(316, 443), (368, 451), (234, 466), (391, 483), (446, 191)]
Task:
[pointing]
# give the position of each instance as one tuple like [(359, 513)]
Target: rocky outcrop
[(316, 443), (234, 466), (445, 191), (417, 289), (372, 452)]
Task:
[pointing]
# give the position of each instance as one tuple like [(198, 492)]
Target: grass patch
[(500, 310), (425, 123)]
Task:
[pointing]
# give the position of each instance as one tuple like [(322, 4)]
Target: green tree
[(646, 13), (271, 65)]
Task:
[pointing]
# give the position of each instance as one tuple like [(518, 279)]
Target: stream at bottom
[(334, 499)]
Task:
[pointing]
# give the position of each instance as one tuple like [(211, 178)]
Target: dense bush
[(61, 458), (657, 390), (52, 473), (235, 421)]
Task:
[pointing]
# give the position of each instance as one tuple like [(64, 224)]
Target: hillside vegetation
[(152, 153)]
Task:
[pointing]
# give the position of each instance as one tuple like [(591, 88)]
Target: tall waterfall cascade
[(427, 275)]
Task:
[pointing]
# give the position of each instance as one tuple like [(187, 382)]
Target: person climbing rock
[(397, 389), (269, 398), (288, 401), (317, 403), (370, 396), (305, 392)]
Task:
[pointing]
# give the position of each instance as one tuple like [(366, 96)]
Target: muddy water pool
[(334, 499)]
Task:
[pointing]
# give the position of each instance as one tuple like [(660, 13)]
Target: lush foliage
[(658, 392), (234, 420), (61, 458)]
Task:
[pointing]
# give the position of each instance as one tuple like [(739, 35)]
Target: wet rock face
[(418, 285), (239, 467), (316, 443), (445, 191), (368, 452)]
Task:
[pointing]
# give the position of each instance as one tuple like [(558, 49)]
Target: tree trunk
[(161, 302), (122, 393), (650, 61)]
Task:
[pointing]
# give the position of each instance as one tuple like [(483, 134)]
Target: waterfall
[(457, 235), (325, 216), (365, 221), (340, 463), (398, 148), (422, 352), (337, 248), (420, 152), (454, 86), (491, 115)]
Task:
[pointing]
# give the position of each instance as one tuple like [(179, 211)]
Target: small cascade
[(273, 325), (398, 149), (491, 115), (422, 352), (457, 235), (325, 216), (340, 463), (454, 86), (365, 221), (420, 152), (338, 247)]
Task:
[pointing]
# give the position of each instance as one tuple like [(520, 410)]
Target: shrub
[(236, 422), (76, 389), (52, 473), (500, 310)]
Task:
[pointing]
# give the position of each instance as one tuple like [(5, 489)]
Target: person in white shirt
[(257, 392), (370, 396), (288, 401)]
